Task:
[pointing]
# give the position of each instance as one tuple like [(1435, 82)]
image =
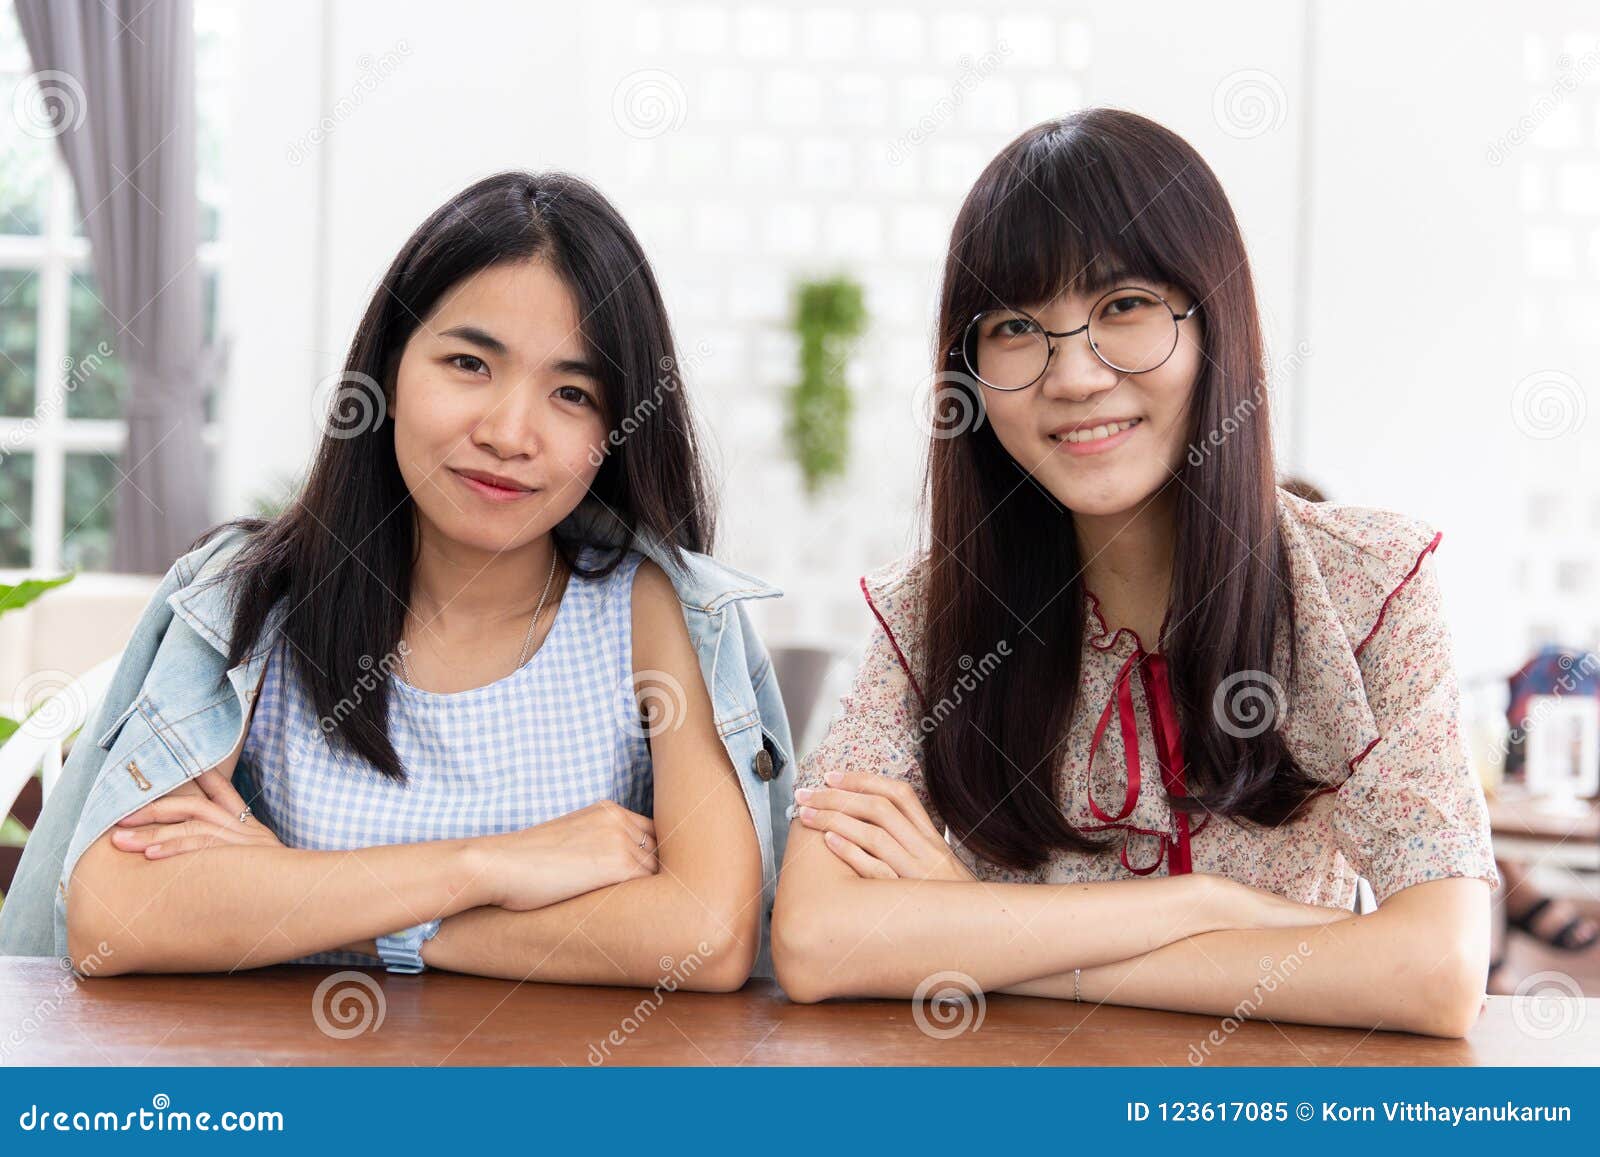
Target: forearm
[(868, 937), (226, 908), (699, 934), (1399, 968)]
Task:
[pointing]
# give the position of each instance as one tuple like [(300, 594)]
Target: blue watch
[(402, 951)]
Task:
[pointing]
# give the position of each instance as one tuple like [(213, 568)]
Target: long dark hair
[(340, 557), (1067, 203)]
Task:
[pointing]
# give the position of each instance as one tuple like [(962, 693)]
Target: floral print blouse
[(1371, 710)]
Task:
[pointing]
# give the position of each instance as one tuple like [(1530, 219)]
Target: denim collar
[(702, 582)]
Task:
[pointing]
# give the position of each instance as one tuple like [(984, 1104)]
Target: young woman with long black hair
[(1134, 722), (479, 698)]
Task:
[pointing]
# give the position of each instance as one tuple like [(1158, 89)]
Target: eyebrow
[(472, 335), (486, 341), (1110, 279)]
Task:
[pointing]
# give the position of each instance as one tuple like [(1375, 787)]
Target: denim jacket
[(174, 709)]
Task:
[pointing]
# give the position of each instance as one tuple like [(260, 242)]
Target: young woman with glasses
[(1135, 722)]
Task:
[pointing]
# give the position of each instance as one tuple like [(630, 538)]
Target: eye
[(1014, 327), (575, 394), (468, 362), (1126, 305)]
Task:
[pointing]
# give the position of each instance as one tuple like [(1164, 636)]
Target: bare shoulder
[(655, 601), (660, 633)]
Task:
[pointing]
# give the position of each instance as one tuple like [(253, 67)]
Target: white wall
[(1367, 197)]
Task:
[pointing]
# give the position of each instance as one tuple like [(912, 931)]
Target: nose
[(509, 426), (1075, 373)]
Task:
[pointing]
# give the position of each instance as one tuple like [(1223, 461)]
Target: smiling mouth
[(1095, 433), (491, 488)]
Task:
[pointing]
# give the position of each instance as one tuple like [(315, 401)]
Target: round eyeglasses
[(1131, 330)]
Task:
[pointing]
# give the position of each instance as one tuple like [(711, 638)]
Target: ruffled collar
[(1136, 752)]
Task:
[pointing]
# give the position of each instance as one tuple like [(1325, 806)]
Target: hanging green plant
[(828, 316)]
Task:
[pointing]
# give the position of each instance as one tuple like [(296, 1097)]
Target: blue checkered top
[(557, 734)]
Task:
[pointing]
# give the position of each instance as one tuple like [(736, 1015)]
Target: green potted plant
[(829, 314)]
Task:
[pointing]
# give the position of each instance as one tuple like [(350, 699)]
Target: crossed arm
[(872, 901), (576, 900)]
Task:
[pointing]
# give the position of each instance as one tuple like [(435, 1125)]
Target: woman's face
[(1100, 471), (497, 409)]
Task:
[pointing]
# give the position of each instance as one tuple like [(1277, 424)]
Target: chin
[(489, 535), (1101, 498)]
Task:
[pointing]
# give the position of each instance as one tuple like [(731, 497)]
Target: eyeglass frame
[(1051, 336)]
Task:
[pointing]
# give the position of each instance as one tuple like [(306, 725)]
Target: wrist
[(1213, 903), (470, 875)]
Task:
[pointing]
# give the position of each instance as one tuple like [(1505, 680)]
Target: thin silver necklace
[(527, 638)]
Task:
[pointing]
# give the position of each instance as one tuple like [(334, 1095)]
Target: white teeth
[(1097, 433)]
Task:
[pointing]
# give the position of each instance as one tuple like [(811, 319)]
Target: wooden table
[(1522, 830), (271, 1017)]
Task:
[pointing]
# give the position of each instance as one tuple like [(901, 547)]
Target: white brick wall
[(813, 140)]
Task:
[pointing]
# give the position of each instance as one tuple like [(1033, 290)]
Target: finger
[(868, 836), (219, 788), (169, 848), (149, 834), (870, 808), (140, 838), (865, 866), (175, 808), (897, 791)]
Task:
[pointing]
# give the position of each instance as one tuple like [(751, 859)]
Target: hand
[(593, 847), (879, 827), (189, 818)]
